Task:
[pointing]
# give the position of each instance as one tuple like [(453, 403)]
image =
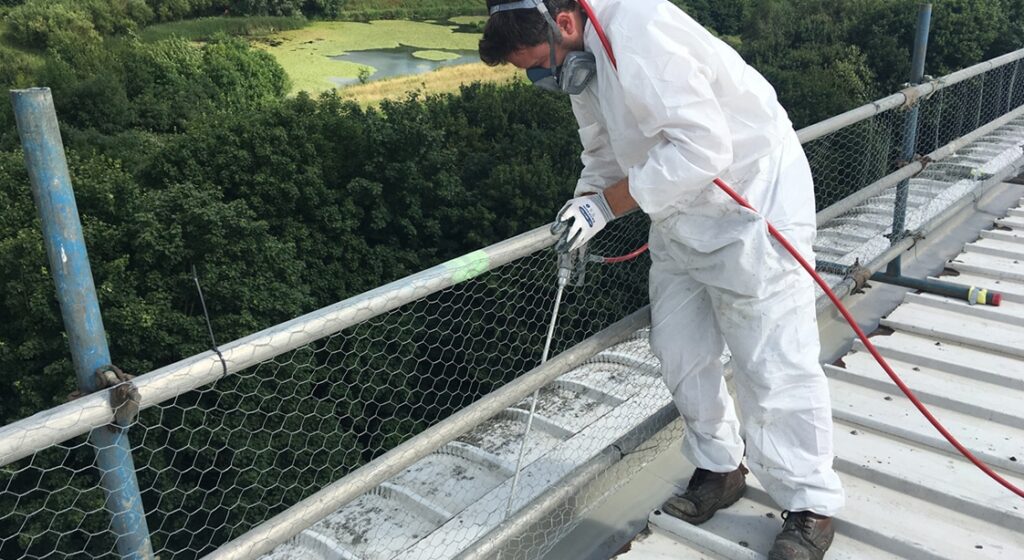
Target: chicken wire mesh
[(862, 156), (215, 462), (848, 159)]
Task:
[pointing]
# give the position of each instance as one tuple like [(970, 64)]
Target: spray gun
[(571, 269), (573, 266)]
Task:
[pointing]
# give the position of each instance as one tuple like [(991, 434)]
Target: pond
[(400, 61), (326, 54)]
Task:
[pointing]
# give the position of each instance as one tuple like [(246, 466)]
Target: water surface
[(398, 62)]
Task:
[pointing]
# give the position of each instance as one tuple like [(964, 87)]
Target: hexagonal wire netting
[(215, 462)]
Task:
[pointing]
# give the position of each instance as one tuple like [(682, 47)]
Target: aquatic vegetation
[(436, 55), (305, 53)]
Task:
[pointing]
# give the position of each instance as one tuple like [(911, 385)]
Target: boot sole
[(697, 520)]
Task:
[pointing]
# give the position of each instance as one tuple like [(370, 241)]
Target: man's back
[(676, 82)]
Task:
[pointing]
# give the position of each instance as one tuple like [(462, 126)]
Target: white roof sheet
[(909, 493), (452, 498)]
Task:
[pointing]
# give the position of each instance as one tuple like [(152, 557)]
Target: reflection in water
[(398, 62)]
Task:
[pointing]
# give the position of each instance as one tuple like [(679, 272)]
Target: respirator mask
[(576, 71)]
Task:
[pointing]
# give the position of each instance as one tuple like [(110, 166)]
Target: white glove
[(581, 218)]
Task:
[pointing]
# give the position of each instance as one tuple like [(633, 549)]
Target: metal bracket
[(860, 275), (125, 398), (896, 238), (912, 97), (925, 162)]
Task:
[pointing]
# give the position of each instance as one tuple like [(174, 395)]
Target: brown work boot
[(804, 536), (706, 493)]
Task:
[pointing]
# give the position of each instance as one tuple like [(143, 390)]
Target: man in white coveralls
[(663, 110)]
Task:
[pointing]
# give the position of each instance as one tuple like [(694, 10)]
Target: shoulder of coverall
[(648, 29)]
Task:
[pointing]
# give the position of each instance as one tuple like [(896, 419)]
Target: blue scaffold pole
[(69, 265), (924, 21)]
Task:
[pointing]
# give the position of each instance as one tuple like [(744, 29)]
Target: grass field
[(304, 48), (304, 53), (442, 80)]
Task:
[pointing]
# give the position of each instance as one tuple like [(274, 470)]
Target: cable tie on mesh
[(209, 326)]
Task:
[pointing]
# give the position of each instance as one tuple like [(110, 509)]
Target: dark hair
[(507, 32)]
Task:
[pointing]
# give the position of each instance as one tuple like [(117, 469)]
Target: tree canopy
[(186, 155)]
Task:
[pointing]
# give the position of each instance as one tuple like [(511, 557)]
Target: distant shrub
[(115, 17), (16, 67), (42, 24), (203, 29), (158, 87), (171, 10), (366, 10)]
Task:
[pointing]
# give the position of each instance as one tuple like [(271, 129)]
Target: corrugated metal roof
[(447, 501), (861, 234), (909, 494)]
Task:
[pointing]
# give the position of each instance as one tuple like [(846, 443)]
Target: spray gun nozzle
[(564, 268)]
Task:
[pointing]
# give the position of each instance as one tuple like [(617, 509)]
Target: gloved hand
[(580, 220)]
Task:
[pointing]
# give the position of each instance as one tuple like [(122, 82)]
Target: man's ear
[(567, 23)]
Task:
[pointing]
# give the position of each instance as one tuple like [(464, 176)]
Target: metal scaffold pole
[(76, 292), (924, 18), (894, 270)]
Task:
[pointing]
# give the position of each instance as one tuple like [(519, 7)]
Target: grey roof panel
[(457, 495), (909, 493)]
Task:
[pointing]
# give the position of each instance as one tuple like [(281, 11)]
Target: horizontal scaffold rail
[(906, 97), (61, 423)]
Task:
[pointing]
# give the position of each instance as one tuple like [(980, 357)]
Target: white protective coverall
[(682, 109)]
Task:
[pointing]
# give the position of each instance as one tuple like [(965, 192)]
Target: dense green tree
[(17, 68), (817, 82), (800, 47), (46, 23), (169, 10), (725, 17), (962, 33), (1012, 36), (41, 25), (159, 86), (187, 156)]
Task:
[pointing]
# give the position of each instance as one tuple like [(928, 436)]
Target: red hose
[(600, 31), (828, 291), (626, 257), (871, 347)]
